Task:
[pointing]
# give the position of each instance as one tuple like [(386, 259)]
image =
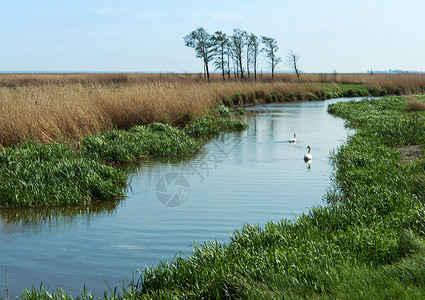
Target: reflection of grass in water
[(24, 216)]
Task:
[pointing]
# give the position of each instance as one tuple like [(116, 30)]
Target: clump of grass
[(156, 139), (414, 104), (44, 175), (223, 111), (209, 126)]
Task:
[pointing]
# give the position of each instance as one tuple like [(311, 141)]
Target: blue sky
[(147, 36)]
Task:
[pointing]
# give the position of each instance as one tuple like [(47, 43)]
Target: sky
[(147, 36)]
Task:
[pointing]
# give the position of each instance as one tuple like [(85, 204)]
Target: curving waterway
[(250, 177)]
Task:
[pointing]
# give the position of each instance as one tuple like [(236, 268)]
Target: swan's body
[(293, 140), (307, 156)]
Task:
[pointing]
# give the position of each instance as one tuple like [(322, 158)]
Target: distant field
[(67, 107)]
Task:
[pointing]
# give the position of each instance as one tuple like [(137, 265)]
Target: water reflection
[(308, 163), (28, 216)]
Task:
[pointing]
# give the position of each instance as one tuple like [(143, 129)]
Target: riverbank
[(36, 175), (365, 243)]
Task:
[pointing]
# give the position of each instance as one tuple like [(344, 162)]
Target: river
[(250, 177)]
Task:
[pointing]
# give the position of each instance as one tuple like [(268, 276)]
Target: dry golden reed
[(414, 104), (70, 111), (67, 107)]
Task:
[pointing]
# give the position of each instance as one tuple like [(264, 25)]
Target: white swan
[(307, 156), (293, 140)]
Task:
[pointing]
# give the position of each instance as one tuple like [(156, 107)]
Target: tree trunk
[(247, 63), (222, 63), (241, 66), (207, 73), (255, 66)]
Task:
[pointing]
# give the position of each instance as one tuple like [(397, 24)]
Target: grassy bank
[(365, 243), (68, 107), (34, 174)]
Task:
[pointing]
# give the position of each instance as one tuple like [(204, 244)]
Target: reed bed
[(72, 111), (68, 107), (372, 79)]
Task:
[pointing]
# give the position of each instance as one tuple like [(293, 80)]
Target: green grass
[(33, 174), (366, 242), (156, 139), (39, 175), (208, 126)]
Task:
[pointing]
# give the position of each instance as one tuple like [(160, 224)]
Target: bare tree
[(248, 57), (238, 42), (292, 59), (235, 63), (229, 58), (220, 45), (201, 42), (253, 50), (270, 48)]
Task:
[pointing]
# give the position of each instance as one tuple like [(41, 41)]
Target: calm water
[(240, 178)]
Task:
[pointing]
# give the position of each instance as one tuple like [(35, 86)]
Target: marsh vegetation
[(365, 241), (62, 133), (68, 107), (35, 174)]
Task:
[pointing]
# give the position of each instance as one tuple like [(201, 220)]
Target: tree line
[(238, 52)]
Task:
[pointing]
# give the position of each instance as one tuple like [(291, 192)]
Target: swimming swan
[(293, 140), (307, 156)]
